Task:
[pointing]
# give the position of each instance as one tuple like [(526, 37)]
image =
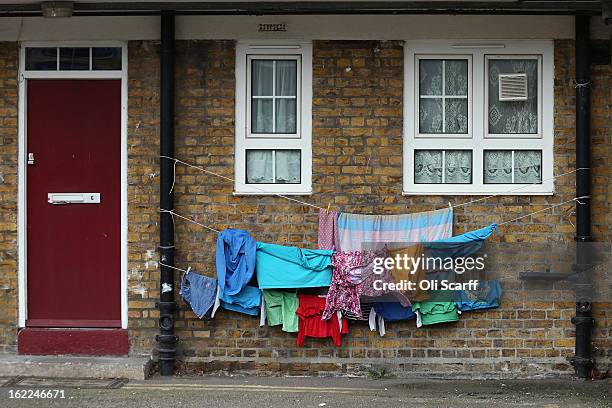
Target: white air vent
[(512, 87)]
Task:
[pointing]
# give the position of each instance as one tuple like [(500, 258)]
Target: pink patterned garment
[(343, 294), (328, 229)]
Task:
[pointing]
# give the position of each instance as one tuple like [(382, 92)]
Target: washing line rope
[(520, 188), (173, 267), (577, 199), (235, 181), (321, 208), (173, 214)]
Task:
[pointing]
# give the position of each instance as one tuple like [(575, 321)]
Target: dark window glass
[(41, 59), (74, 59), (108, 59)]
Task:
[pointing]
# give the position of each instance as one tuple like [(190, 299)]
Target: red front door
[(73, 249)]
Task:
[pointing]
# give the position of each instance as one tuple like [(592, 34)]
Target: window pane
[(106, 58), (261, 77), (286, 78), (527, 166), (513, 117), (456, 115), (456, 77), (261, 116), (427, 166), (430, 77), (74, 59), (288, 165), (258, 166), (285, 116), (497, 166), (458, 167), (430, 115), (41, 59)]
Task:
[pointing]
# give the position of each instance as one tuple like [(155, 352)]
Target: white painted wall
[(408, 27)]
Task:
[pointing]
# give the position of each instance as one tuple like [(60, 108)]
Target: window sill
[(478, 193), (275, 193)]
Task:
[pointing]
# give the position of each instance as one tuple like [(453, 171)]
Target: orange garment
[(311, 324), (413, 251)]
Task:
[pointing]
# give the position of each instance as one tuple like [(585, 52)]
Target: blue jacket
[(235, 260)]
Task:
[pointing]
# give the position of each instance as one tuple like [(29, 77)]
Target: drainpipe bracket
[(583, 320), (582, 362)]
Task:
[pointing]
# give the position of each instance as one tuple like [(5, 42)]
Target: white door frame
[(22, 166)]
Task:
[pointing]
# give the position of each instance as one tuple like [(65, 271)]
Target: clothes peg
[(449, 205), (328, 205), (188, 269)]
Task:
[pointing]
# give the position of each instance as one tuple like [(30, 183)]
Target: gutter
[(525, 7)]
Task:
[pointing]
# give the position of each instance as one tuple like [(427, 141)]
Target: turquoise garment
[(279, 266), (460, 245), (247, 301)]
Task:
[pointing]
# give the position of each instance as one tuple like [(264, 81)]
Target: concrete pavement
[(258, 392)]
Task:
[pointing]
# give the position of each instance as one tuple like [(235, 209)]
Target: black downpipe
[(583, 360), (166, 340)]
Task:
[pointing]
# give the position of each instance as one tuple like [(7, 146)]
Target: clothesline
[(577, 199), (235, 181), (173, 214), (173, 267), (321, 208)]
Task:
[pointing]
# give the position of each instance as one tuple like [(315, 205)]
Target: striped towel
[(356, 231)]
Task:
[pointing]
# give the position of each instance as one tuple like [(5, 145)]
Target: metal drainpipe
[(166, 340), (583, 360)]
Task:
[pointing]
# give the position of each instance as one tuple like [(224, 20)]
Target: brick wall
[(357, 166), (143, 194), (8, 196)]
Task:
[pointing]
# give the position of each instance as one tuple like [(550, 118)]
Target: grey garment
[(200, 292)]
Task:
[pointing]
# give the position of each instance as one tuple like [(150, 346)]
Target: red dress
[(311, 324)]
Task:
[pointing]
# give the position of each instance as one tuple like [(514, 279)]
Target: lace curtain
[(443, 108), (513, 117), (457, 169), (259, 166), (498, 166), (288, 164), (274, 102), (527, 166)]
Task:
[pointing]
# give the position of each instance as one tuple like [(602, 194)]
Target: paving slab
[(133, 368)]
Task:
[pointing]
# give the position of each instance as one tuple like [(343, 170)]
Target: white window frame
[(298, 100), (246, 51), (480, 140), (418, 95), (538, 134)]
